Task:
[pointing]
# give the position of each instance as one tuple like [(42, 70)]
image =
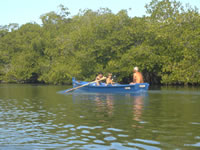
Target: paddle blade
[(66, 91)]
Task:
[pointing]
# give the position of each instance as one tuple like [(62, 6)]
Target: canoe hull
[(116, 88)]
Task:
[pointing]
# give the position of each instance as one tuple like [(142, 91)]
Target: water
[(37, 117)]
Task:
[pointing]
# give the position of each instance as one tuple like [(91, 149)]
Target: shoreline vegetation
[(165, 45)]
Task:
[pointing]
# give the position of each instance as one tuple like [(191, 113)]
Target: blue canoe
[(115, 88)]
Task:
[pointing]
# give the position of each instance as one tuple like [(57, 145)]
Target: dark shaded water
[(37, 117)]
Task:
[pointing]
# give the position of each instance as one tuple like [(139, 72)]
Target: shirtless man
[(137, 76)]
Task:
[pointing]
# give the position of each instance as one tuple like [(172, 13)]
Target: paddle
[(84, 85)]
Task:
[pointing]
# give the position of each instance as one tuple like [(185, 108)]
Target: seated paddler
[(137, 76), (99, 79), (109, 79)]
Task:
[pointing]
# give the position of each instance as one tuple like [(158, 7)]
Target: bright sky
[(24, 11)]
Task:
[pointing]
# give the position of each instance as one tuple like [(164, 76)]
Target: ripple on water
[(82, 127), (62, 131), (143, 146), (68, 126), (197, 137), (123, 135), (114, 129), (106, 133), (114, 145), (85, 131), (99, 141), (87, 127), (73, 129), (119, 146), (110, 138), (95, 147), (73, 137), (92, 137), (143, 122), (76, 142), (147, 141), (193, 145), (195, 123), (85, 139)]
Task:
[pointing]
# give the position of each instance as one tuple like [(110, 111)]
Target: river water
[(37, 117)]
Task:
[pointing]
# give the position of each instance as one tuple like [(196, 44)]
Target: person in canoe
[(137, 76), (109, 79), (100, 77)]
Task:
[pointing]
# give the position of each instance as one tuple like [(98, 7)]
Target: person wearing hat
[(137, 76)]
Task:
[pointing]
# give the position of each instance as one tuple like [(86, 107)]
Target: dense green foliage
[(165, 45)]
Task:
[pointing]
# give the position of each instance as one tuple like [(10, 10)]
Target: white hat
[(135, 68)]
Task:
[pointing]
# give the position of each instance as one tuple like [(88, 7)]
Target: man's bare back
[(138, 78)]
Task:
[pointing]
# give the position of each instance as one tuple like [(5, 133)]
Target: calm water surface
[(37, 117)]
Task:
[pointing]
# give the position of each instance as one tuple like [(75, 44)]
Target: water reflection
[(138, 105), (122, 97), (107, 103), (104, 103)]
